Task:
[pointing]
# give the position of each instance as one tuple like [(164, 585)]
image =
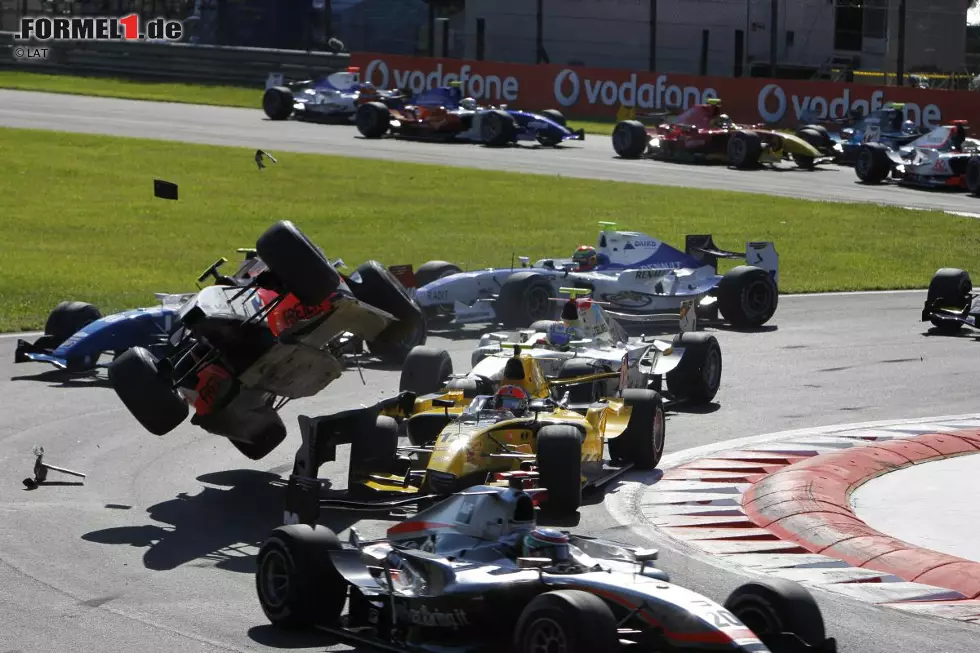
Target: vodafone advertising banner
[(598, 92)]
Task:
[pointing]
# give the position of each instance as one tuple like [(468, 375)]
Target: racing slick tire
[(744, 149), (949, 287), (554, 115), (697, 376), (826, 140), (67, 319), (314, 592), (425, 370), (265, 442), (585, 393), (149, 396), (872, 164), (642, 442), (433, 270), (525, 297), (277, 102), (814, 138), (775, 606), (573, 621), (498, 128), (559, 461), (375, 451), (747, 296), (973, 175), (373, 119), (374, 284), (630, 139), (298, 264)]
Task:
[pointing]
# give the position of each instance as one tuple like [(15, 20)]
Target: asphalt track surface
[(594, 158), (155, 551)]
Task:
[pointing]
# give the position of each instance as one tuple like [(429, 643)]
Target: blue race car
[(443, 114), (887, 126)]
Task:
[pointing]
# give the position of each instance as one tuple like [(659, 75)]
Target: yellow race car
[(524, 432)]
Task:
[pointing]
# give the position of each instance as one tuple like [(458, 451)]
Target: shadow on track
[(62, 379), (214, 526)]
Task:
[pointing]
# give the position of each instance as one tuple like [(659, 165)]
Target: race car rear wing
[(760, 254)]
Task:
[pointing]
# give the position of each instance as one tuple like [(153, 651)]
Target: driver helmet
[(908, 127), (585, 257), (724, 120), (511, 398), (468, 103), (559, 334), (545, 543)]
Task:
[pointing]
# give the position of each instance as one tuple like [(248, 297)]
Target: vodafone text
[(773, 105), (569, 87), (97, 28), (491, 87)]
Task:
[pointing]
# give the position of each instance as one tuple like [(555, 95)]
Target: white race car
[(638, 278), (334, 97)]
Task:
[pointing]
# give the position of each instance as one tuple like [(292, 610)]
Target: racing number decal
[(872, 134), (725, 619)]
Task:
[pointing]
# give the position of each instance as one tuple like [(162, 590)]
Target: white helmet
[(468, 103)]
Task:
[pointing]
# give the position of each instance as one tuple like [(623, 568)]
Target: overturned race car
[(950, 302), (250, 344), (637, 277), (476, 573), (443, 114)]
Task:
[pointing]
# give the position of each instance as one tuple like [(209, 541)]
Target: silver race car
[(639, 278), (938, 159), (478, 573), (333, 98)]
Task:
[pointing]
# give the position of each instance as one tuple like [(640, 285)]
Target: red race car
[(703, 133)]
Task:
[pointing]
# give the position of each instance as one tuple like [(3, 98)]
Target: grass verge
[(224, 96), (80, 220)]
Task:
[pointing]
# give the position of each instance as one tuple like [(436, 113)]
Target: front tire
[(299, 265), (571, 621), (774, 606), (149, 396), (296, 581), (67, 319)]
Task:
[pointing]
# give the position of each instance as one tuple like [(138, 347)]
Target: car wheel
[(744, 149), (949, 288), (697, 376), (265, 442), (630, 139), (298, 264), (67, 319), (554, 115), (296, 581), (642, 442), (872, 165), (373, 119), (425, 370), (374, 284), (149, 395), (374, 451), (973, 175), (524, 298), (775, 606), (498, 128), (584, 393), (559, 461), (747, 296), (570, 621), (277, 102)]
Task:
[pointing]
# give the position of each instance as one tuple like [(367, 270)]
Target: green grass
[(80, 220), (224, 96)]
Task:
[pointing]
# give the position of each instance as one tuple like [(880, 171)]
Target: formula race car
[(442, 114), (77, 337), (586, 341), (333, 98), (477, 573), (951, 302), (255, 341), (938, 159), (704, 134), (887, 126), (639, 279)]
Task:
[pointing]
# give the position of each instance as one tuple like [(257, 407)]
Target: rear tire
[(525, 297), (277, 102), (296, 581), (559, 454), (777, 605), (425, 370), (630, 139), (373, 119), (642, 442), (498, 128), (374, 284), (265, 443), (150, 397), (697, 376), (949, 287), (872, 165), (375, 451), (747, 296), (585, 393), (973, 175), (554, 115), (432, 270), (67, 319), (299, 265), (744, 149)]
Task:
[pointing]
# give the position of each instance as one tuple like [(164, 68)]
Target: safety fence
[(162, 61)]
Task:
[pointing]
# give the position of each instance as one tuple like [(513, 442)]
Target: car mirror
[(534, 563), (443, 403)]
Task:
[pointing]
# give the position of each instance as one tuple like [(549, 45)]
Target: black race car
[(476, 573)]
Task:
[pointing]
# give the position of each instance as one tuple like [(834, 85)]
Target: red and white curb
[(778, 504)]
